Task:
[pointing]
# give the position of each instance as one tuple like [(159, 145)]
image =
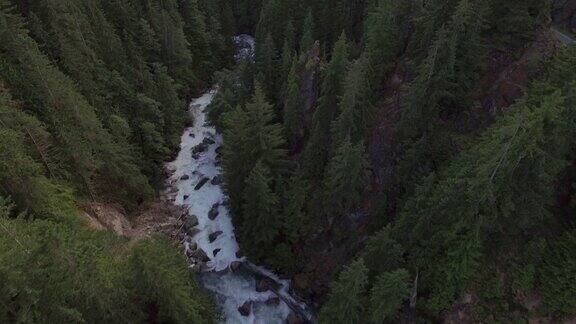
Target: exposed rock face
[(245, 309), (216, 251), (185, 177)]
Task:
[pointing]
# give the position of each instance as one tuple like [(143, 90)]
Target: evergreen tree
[(347, 176), (382, 253), (307, 33), (195, 30), (293, 108), (260, 209), (558, 285), (294, 198), (250, 135), (266, 66), (315, 156), (387, 295), (354, 117), (345, 301), (382, 43)]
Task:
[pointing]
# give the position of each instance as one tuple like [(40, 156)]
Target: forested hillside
[(401, 161), (406, 160), (93, 96)]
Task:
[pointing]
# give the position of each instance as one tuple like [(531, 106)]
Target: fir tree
[(294, 198), (307, 33), (347, 176), (388, 294), (315, 156), (345, 301), (293, 108), (260, 209)]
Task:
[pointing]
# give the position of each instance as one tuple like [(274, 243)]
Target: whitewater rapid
[(231, 289)]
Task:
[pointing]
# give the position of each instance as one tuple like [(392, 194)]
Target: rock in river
[(201, 183), (212, 237), (213, 213), (245, 309)]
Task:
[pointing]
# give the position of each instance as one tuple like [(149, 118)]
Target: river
[(210, 242)]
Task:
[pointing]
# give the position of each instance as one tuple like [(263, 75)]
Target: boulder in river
[(245, 309), (217, 180), (273, 301), (200, 255), (213, 213), (235, 266), (185, 177), (212, 237), (200, 148), (208, 141), (190, 222), (201, 183), (266, 284), (294, 318)]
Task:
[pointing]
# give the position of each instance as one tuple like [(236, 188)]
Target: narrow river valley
[(245, 292)]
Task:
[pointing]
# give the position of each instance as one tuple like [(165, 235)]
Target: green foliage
[(382, 42), (307, 33), (558, 275), (260, 210), (347, 176), (346, 301), (388, 294), (315, 157), (66, 273), (293, 108), (382, 253), (162, 281)]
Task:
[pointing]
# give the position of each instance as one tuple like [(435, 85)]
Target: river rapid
[(210, 243)]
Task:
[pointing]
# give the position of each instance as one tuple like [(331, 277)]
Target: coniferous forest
[(400, 161)]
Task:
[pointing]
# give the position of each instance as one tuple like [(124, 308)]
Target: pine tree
[(388, 294), (260, 209), (293, 108), (307, 33), (266, 66), (382, 43), (315, 156), (345, 301), (382, 253), (498, 187), (294, 198), (347, 176), (354, 119), (251, 135), (195, 30)]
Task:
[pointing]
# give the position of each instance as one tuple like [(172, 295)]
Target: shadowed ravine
[(210, 242)]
